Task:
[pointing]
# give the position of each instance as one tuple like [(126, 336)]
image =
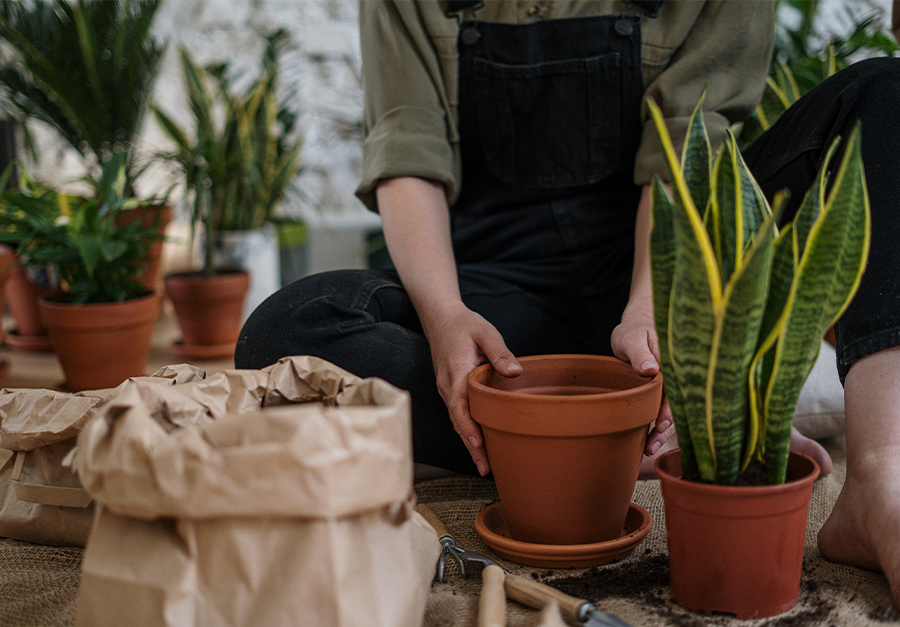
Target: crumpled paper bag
[(270, 497), (41, 498)]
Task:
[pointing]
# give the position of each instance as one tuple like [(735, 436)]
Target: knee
[(877, 85), (300, 318)]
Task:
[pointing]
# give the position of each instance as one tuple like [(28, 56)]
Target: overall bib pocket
[(550, 125)]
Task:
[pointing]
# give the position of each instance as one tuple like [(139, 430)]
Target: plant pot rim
[(194, 275), (48, 301), (640, 389), (732, 491)]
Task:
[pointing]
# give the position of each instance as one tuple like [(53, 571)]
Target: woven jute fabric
[(39, 584)]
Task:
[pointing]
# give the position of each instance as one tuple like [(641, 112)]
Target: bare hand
[(462, 341), (635, 341)]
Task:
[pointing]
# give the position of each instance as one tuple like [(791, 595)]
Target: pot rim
[(56, 305), (715, 489), (654, 381)]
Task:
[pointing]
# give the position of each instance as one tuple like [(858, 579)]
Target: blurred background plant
[(805, 54), (85, 68), (95, 255), (241, 158)]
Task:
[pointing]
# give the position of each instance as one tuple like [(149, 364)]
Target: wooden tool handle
[(433, 520), (492, 604), (534, 594)]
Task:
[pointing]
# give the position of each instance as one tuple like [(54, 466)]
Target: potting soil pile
[(39, 584)]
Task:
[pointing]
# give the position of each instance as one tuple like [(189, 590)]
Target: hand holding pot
[(460, 341), (635, 341)]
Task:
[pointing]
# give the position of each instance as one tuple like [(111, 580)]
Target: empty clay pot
[(736, 549), (565, 441)]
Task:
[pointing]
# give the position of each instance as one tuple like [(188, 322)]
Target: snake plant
[(742, 298)]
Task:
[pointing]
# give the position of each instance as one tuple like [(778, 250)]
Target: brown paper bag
[(41, 498), (287, 500), (41, 501)]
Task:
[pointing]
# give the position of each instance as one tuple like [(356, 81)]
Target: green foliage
[(94, 249), (85, 68), (741, 303), (243, 155), (801, 59)]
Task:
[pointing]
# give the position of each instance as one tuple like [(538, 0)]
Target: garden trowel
[(525, 591)]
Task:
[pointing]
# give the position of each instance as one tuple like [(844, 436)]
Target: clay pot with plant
[(742, 298), (101, 318), (237, 165)]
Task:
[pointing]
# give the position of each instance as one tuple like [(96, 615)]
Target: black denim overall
[(549, 121)]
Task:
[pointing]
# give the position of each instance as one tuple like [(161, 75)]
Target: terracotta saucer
[(203, 351), (490, 523), (28, 343)]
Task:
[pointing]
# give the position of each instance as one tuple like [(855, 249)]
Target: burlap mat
[(39, 584), (637, 588)]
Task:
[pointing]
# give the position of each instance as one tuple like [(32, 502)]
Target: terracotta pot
[(7, 267), (101, 345), (208, 311), (736, 549), (565, 440), (23, 296)]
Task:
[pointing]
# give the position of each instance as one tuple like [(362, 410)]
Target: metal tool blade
[(596, 618)]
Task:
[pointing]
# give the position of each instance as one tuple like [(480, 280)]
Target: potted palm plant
[(238, 164), (86, 69), (741, 302), (100, 318)]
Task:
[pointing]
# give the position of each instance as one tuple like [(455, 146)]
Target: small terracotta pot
[(23, 297), (565, 440), (208, 311), (101, 345), (736, 549), (7, 267)]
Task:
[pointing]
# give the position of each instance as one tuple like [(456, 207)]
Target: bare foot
[(805, 445), (862, 528)]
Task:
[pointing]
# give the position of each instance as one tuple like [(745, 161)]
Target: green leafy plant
[(95, 254), (243, 155), (741, 302), (85, 68)]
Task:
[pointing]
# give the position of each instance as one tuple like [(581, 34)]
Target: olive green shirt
[(411, 76)]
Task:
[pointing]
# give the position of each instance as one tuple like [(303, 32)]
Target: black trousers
[(363, 320)]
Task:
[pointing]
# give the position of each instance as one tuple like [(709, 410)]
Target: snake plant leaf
[(827, 277), (690, 330), (695, 158), (813, 202), (662, 263), (734, 343), (696, 294), (726, 199)]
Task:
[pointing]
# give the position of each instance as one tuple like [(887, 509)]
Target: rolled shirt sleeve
[(407, 111)]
